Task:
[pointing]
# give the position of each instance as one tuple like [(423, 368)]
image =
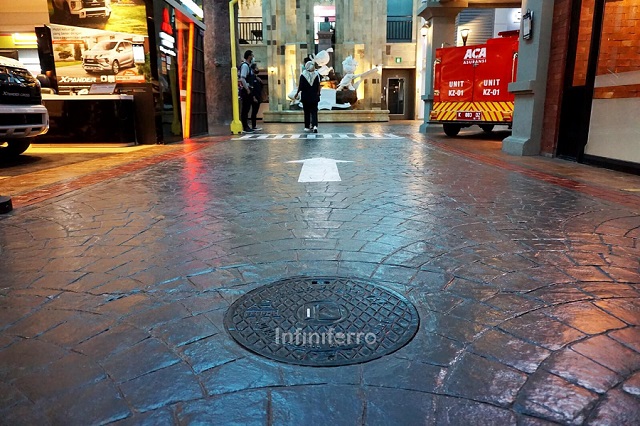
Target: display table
[(89, 119)]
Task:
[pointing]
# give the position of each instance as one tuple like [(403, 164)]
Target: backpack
[(251, 78)]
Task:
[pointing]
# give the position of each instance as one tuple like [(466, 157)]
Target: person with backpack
[(246, 80), (256, 96)]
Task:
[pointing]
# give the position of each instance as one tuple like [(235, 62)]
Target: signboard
[(114, 16), (99, 42), (85, 56), (102, 89)]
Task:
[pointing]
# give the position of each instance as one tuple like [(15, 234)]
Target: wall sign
[(167, 40), (527, 25)]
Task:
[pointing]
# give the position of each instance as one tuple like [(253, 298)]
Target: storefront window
[(614, 129)]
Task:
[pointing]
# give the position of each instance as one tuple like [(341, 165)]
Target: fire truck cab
[(470, 84)]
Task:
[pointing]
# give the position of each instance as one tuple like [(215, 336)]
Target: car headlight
[(76, 5)]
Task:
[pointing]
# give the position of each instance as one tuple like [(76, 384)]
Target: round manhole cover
[(325, 321)]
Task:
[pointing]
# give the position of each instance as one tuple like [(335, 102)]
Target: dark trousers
[(255, 106), (244, 111), (310, 114)]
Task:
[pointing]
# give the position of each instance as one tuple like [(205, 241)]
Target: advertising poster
[(99, 41), (120, 16)]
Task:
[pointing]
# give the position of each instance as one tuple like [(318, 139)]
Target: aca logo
[(475, 56)]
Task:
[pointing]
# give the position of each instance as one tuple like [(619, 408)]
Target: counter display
[(90, 119)]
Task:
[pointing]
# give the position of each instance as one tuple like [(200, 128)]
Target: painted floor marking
[(319, 170), (295, 136)]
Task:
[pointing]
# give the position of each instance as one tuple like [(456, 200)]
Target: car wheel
[(487, 128), (451, 129), (115, 67), (14, 147)]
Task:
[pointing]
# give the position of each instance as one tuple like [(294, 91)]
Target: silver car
[(108, 56), (22, 115)]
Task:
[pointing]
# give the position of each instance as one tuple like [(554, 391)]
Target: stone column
[(531, 82), (284, 21), (441, 33), (361, 32)]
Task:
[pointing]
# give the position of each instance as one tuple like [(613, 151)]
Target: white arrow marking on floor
[(319, 170)]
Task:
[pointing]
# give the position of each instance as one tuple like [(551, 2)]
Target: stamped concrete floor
[(115, 278)]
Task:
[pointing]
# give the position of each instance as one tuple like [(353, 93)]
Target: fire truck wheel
[(451, 129), (487, 128)]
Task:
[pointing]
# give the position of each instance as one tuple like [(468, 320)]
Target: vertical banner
[(167, 48)]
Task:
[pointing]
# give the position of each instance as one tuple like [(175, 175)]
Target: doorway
[(582, 54), (398, 93)]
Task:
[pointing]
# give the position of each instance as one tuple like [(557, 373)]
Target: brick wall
[(620, 47), (555, 79), (584, 43)]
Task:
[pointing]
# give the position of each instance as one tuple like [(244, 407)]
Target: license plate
[(470, 115)]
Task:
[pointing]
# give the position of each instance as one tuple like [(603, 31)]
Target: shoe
[(248, 130), (315, 129), (306, 129), (257, 129)]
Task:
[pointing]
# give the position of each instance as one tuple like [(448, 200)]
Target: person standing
[(256, 94), (246, 81), (309, 87)]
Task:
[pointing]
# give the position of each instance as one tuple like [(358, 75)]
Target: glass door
[(579, 79), (396, 95), (614, 129)]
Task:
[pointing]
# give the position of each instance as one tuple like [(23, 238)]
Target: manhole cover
[(323, 321)]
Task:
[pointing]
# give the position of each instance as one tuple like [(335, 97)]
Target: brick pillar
[(556, 77)]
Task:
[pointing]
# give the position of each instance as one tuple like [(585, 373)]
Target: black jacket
[(310, 93)]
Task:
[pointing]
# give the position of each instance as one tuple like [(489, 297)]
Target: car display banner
[(84, 56), (99, 41)]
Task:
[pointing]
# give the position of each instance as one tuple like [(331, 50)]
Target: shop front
[(601, 96), (137, 64), (179, 36)]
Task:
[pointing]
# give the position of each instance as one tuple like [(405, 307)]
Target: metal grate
[(250, 30), (399, 29), (479, 21), (322, 321)]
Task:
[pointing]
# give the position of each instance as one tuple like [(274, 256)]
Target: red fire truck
[(470, 84)]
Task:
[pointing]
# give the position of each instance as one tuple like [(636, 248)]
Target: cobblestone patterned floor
[(114, 286)]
